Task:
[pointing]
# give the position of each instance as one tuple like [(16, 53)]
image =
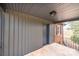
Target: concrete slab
[(54, 50)]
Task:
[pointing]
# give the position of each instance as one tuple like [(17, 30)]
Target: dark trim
[(47, 34)]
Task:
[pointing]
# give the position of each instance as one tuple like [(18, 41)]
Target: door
[(59, 33), (45, 34)]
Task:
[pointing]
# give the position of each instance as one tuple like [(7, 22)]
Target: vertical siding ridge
[(3, 23), (1, 33), (9, 37), (25, 35), (18, 35), (22, 37), (6, 34), (28, 34), (1, 29), (13, 34)]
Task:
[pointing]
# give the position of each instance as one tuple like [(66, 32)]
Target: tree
[(75, 27)]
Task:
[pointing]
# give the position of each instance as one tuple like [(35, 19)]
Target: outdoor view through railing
[(71, 34)]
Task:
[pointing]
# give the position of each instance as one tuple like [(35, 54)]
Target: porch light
[(52, 13)]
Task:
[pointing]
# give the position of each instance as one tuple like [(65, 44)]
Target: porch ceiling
[(64, 12)]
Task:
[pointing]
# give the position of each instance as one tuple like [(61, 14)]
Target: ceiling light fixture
[(52, 13)]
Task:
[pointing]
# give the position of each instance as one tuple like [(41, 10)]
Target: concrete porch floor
[(54, 50)]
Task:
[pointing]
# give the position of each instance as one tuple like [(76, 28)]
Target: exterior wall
[(0, 33), (51, 33), (1, 30), (22, 34), (44, 35)]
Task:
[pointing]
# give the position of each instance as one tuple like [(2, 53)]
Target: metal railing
[(71, 44)]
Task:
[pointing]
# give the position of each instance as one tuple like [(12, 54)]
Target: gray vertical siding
[(11, 34), (0, 33), (35, 35), (26, 34), (51, 33), (1, 30), (22, 34), (16, 35), (44, 35), (6, 35), (23, 45)]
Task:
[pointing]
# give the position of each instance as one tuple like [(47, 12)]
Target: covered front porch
[(36, 29)]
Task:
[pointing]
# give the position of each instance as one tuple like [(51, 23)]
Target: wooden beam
[(67, 20)]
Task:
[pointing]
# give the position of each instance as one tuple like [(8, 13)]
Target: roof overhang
[(64, 11)]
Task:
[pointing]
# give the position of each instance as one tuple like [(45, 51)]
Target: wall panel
[(6, 35), (26, 34), (35, 35), (16, 35), (20, 35), (51, 33), (0, 33), (23, 34), (0, 29), (11, 34), (2, 20)]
